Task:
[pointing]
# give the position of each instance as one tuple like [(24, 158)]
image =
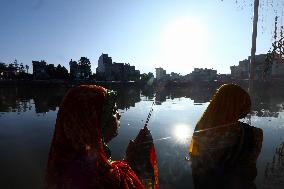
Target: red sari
[(77, 157)]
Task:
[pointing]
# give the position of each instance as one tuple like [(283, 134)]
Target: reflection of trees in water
[(48, 99), (148, 91), (274, 171), (19, 99), (13, 100), (268, 100), (127, 96)]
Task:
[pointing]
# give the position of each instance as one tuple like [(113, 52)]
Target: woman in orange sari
[(79, 157), (223, 149)]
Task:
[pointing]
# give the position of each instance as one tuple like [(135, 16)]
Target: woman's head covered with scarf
[(82, 125), (228, 105)]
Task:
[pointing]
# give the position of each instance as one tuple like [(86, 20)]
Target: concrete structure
[(263, 70), (39, 69), (277, 69), (241, 71), (115, 71), (104, 65), (224, 78), (160, 73), (201, 74)]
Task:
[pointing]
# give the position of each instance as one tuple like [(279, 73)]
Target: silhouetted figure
[(224, 151), (79, 157)]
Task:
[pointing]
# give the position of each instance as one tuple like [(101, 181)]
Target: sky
[(178, 35)]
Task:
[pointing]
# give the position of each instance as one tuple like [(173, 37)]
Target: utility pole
[(253, 46)]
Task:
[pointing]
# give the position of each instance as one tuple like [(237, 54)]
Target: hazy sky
[(178, 35)]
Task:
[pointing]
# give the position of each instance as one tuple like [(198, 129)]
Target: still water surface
[(27, 119)]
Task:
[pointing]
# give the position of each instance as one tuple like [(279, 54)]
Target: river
[(28, 114)]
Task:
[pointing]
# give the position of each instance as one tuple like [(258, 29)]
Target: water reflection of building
[(267, 103), (199, 94)]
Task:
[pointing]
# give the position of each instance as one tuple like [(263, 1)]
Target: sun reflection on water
[(182, 133)]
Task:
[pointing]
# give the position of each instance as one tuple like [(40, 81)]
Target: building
[(117, 71), (224, 78), (262, 68), (241, 71), (277, 69), (160, 73), (39, 69), (108, 70), (104, 64), (74, 69), (201, 74)]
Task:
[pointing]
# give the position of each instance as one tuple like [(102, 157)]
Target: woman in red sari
[(79, 157)]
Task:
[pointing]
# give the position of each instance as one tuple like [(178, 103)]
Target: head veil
[(77, 146), (228, 104)]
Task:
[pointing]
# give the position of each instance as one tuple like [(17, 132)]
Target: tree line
[(17, 70), (14, 70)]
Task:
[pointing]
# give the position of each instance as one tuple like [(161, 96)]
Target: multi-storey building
[(201, 74), (115, 71), (262, 70), (39, 69), (160, 73)]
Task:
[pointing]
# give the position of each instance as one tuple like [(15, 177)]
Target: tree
[(16, 65), (277, 7), (3, 70), (51, 70), (147, 78), (22, 68), (11, 71), (85, 67), (3, 67), (27, 68), (61, 72)]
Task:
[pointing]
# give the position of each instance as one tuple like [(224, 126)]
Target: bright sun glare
[(183, 43), (182, 133)]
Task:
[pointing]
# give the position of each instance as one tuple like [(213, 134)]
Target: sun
[(183, 43), (182, 133)]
